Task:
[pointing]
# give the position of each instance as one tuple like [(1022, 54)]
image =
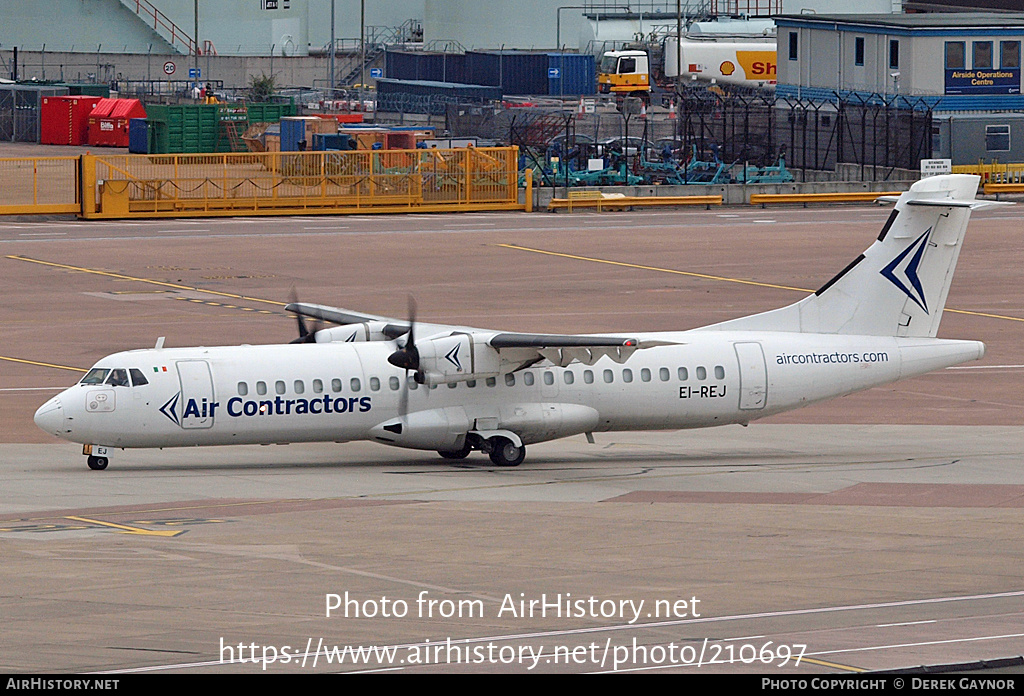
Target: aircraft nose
[(50, 416)]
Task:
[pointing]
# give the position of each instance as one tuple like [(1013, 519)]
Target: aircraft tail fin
[(898, 286)]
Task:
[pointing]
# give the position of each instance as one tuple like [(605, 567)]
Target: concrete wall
[(235, 71)]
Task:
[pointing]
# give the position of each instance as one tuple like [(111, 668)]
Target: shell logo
[(727, 68)]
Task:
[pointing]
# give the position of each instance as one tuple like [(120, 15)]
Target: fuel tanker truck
[(644, 69)]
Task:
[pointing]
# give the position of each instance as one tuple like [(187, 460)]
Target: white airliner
[(456, 389)]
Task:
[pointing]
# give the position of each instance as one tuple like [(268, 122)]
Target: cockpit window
[(95, 376), (118, 377), (138, 378)]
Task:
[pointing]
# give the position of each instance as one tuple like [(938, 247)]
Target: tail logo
[(902, 271)]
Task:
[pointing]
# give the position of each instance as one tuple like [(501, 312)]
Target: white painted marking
[(905, 623), (39, 234)]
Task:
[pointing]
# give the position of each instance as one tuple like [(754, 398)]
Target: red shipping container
[(108, 122), (65, 120)]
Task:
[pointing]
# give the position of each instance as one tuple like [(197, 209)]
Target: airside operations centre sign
[(1001, 81)]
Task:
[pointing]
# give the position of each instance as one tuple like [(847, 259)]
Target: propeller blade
[(306, 335)]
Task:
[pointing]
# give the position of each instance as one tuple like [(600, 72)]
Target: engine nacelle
[(350, 333), (437, 429), (458, 357)]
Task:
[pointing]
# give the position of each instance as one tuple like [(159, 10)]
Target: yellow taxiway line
[(724, 279), (123, 529)]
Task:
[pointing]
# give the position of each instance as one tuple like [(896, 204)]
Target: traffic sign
[(553, 73), (376, 73), (195, 73), (169, 67)]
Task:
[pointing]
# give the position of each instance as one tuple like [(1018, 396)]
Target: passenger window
[(471, 383), (510, 380), (491, 382), (663, 374), (645, 375), (719, 372), (588, 376), (702, 373), (243, 389), (318, 386), (394, 383), (118, 377), (627, 375), (549, 378), (608, 376), (569, 377), (261, 388), (374, 384), (412, 383), (138, 379), (95, 376), (300, 386), (279, 387), (528, 379), (354, 383), (336, 385), (683, 374), (452, 385)]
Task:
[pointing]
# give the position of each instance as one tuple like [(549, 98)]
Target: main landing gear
[(98, 463), (502, 450)]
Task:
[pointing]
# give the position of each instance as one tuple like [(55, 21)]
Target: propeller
[(306, 335), (408, 358)]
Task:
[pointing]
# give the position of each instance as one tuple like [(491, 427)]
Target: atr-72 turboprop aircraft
[(456, 389)]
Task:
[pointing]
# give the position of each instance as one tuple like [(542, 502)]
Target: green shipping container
[(198, 128)]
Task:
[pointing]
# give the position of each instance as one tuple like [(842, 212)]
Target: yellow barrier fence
[(276, 183), (993, 173), (39, 185)]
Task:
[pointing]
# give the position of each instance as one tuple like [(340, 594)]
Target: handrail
[(162, 21)]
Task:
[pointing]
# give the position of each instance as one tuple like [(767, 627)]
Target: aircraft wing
[(522, 349), (392, 328), (563, 349)]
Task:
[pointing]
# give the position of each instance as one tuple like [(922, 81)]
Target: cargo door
[(753, 376), (196, 394)]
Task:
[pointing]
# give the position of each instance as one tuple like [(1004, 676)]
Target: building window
[(858, 51), (792, 45), (982, 58), (955, 55), (1009, 55), (997, 138), (894, 54)]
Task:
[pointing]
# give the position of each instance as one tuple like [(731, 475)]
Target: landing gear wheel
[(457, 454), (98, 463), (507, 453)]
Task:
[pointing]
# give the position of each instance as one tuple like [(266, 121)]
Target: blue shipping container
[(571, 74), (138, 136), (417, 65), (291, 133)]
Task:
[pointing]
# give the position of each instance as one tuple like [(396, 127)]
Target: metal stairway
[(162, 25)]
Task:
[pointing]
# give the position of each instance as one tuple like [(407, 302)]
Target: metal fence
[(878, 132), (300, 182), (45, 185)]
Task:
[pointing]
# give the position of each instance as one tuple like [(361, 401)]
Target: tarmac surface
[(880, 531)]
